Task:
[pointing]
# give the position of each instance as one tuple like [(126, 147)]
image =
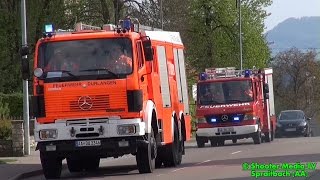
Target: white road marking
[(203, 162), (177, 169), (160, 174), (236, 152)]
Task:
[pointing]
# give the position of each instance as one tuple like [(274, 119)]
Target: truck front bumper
[(232, 131), (106, 137)]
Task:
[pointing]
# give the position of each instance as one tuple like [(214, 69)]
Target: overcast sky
[(283, 9)]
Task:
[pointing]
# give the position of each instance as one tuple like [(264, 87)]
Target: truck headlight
[(48, 134), (250, 117), (202, 120), (126, 129)]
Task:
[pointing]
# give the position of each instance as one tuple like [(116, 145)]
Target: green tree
[(295, 75), (215, 35)]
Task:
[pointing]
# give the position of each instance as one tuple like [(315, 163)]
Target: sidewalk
[(20, 165)]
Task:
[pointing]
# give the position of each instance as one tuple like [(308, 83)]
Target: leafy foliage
[(5, 129), (295, 75), (209, 30)]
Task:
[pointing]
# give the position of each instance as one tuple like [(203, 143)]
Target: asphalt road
[(216, 162)]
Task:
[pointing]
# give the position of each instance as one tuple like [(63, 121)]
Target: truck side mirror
[(147, 48), (194, 92), (266, 88), (25, 68)]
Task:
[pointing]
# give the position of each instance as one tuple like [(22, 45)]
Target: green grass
[(5, 161)]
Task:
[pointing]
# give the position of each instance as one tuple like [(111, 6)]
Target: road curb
[(27, 175), (32, 173)]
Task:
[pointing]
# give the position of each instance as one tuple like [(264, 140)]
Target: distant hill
[(302, 33)]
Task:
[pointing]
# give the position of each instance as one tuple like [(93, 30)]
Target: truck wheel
[(257, 136), (200, 142), (221, 142), (159, 158), (213, 143), (74, 164), (146, 155), (91, 163), (234, 141), (267, 137), (174, 151), (51, 165)]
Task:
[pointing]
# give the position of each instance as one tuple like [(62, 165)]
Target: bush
[(5, 129), (4, 109), (11, 105)]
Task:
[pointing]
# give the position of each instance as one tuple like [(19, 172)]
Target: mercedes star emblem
[(85, 102), (224, 117)]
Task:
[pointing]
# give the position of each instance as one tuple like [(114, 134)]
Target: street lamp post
[(240, 30), (25, 84)]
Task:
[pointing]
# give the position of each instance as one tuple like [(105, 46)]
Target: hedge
[(11, 105)]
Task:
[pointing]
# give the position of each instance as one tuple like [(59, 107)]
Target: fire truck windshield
[(85, 59), (225, 92)]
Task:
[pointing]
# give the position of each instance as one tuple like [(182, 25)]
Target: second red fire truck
[(233, 104)]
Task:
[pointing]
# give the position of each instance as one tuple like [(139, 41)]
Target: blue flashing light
[(203, 76), (213, 120), (127, 24), (49, 28), (236, 118), (247, 73)]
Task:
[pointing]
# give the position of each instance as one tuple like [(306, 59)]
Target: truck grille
[(95, 103), (225, 118), (68, 104)]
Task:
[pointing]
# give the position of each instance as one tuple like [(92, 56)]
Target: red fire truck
[(233, 104), (107, 92)]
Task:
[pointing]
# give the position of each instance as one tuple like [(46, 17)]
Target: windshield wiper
[(210, 102), (234, 100), (63, 71), (100, 69)]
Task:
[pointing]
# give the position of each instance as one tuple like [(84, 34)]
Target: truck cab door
[(142, 71)]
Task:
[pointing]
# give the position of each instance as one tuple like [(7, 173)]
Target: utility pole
[(25, 84), (240, 30)]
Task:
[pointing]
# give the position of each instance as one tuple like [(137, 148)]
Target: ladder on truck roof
[(227, 72)]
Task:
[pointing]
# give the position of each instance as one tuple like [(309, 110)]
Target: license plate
[(88, 143), (291, 129), (228, 129)]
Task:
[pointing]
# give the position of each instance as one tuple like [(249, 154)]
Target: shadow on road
[(313, 175), (227, 143), (123, 170), (265, 160)]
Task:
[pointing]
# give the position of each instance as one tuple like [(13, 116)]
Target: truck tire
[(234, 141), (159, 158), (74, 164), (146, 156), (91, 163), (213, 142), (51, 165), (257, 136), (200, 142), (267, 136), (221, 142), (272, 134), (173, 151)]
